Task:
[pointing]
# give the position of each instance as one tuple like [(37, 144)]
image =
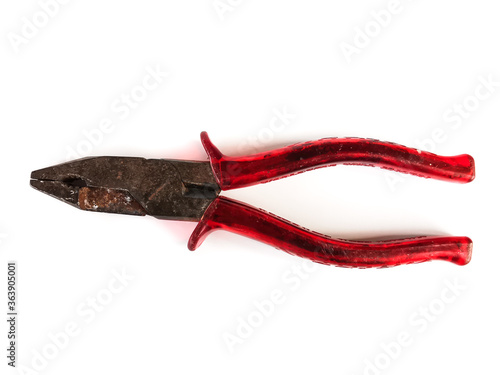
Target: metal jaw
[(165, 189)]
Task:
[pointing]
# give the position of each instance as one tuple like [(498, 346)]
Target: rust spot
[(109, 200)]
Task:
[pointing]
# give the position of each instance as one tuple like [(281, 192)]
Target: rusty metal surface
[(166, 189), (109, 200)]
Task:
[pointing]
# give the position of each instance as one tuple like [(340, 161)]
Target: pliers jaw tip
[(166, 189), (63, 183), (58, 190)]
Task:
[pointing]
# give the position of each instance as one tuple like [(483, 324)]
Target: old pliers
[(189, 190)]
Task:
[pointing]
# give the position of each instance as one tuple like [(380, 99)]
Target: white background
[(229, 71)]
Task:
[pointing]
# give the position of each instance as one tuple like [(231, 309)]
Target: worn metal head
[(166, 189)]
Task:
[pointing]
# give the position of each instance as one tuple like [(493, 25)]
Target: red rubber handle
[(240, 218), (237, 172)]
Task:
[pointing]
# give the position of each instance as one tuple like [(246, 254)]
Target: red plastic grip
[(240, 218), (237, 172)]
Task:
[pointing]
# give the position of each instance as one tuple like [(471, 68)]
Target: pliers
[(190, 190)]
